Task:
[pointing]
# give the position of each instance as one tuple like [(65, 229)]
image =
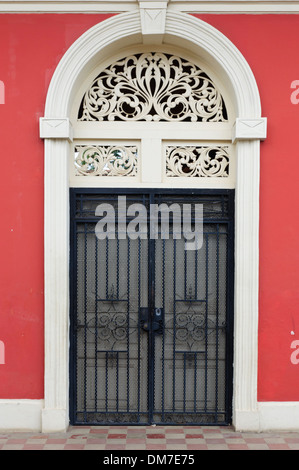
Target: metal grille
[(151, 323)]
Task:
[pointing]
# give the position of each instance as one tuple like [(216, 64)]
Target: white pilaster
[(55, 412), (246, 285)]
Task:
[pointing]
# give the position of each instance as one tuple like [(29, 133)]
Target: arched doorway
[(226, 62), (151, 319)]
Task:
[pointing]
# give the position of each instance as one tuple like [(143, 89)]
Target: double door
[(151, 321)]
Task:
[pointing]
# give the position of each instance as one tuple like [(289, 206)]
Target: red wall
[(268, 44), (31, 47)]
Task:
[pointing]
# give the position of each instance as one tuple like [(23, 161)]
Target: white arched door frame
[(128, 29)]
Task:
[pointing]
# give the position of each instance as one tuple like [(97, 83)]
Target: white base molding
[(269, 416), (278, 416), (20, 415), (54, 420), (30, 416)]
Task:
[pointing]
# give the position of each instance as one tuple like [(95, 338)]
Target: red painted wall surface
[(268, 44), (31, 47)]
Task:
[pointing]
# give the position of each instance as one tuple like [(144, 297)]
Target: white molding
[(56, 240), (246, 283), (236, 6), (223, 57), (119, 6), (27, 416), (54, 420), (20, 415), (153, 17), (278, 416), (248, 129), (56, 129), (269, 417), (165, 131)]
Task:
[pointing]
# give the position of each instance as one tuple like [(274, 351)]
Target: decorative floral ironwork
[(192, 161), (111, 327), (152, 87), (191, 328), (112, 324), (190, 325), (104, 160)]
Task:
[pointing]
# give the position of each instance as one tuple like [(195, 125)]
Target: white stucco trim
[(119, 6), (199, 37), (56, 129), (27, 416), (246, 129), (278, 416), (20, 415), (270, 417)]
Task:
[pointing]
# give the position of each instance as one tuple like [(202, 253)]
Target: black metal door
[(151, 322)]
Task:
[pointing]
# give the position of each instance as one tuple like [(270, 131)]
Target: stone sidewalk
[(159, 438)]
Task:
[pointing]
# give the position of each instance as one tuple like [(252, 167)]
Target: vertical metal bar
[(73, 308), (195, 382), (139, 385), (184, 384), (117, 267), (128, 327), (195, 273), (206, 320), (117, 381), (107, 268), (174, 324), (117, 296), (106, 381), (217, 324), (85, 321), (185, 274), (96, 327), (153, 300), (151, 358), (163, 332)]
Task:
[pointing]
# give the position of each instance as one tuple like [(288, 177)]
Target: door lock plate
[(156, 322)]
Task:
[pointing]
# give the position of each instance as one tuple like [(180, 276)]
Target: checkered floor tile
[(157, 438)]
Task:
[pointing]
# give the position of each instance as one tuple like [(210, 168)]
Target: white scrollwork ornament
[(152, 87), (91, 160), (191, 161)]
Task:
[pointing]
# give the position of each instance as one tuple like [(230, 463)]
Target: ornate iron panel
[(151, 322)]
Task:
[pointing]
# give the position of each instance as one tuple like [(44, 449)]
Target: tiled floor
[(119, 438)]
